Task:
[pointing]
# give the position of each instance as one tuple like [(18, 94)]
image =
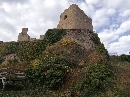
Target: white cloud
[(111, 11), (125, 13), (121, 46), (95, 2), (100, 18), (114, 3), (107, 36), (114, 26), (125, 39), (124, 27)]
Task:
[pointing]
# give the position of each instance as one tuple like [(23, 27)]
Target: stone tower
[(74, 18), (23, 36)]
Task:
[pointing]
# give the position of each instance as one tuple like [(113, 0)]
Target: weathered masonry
[(74, 18)]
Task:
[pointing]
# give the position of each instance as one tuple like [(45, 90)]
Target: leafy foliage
[(25, 50), (98, 79), (124, 57), (8, 48), (122, 93), (95, 38), (29, 50), (100, 48), (53, 35), (49, 73)]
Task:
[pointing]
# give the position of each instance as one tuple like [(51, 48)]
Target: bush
[(124, 57), (29, 50), (8, 48), (98, 79), (49, 74), (101, 49), (95, 38), (53, 35), (122, 93)]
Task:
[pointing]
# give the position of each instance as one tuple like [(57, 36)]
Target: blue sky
[(110, 18)]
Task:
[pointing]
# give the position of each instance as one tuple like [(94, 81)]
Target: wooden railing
[(10, 75)]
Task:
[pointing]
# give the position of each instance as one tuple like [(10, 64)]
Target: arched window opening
[(65, 17)]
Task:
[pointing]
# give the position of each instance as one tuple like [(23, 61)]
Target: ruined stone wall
[(33, 39), (74, 18), (41, 37), (23, 36), (81, 37)]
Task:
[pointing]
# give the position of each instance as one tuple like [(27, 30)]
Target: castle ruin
[(41, 37), (74, 18), (23, 36), (79, 26), (71, 18)]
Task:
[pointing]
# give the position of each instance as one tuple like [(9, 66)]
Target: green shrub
[(53, 36), (101, 49), (26, 50), (95, 38), (98, 79), (49, 74), (122, 93), (8, 48), (124, 57), (29, 50)]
